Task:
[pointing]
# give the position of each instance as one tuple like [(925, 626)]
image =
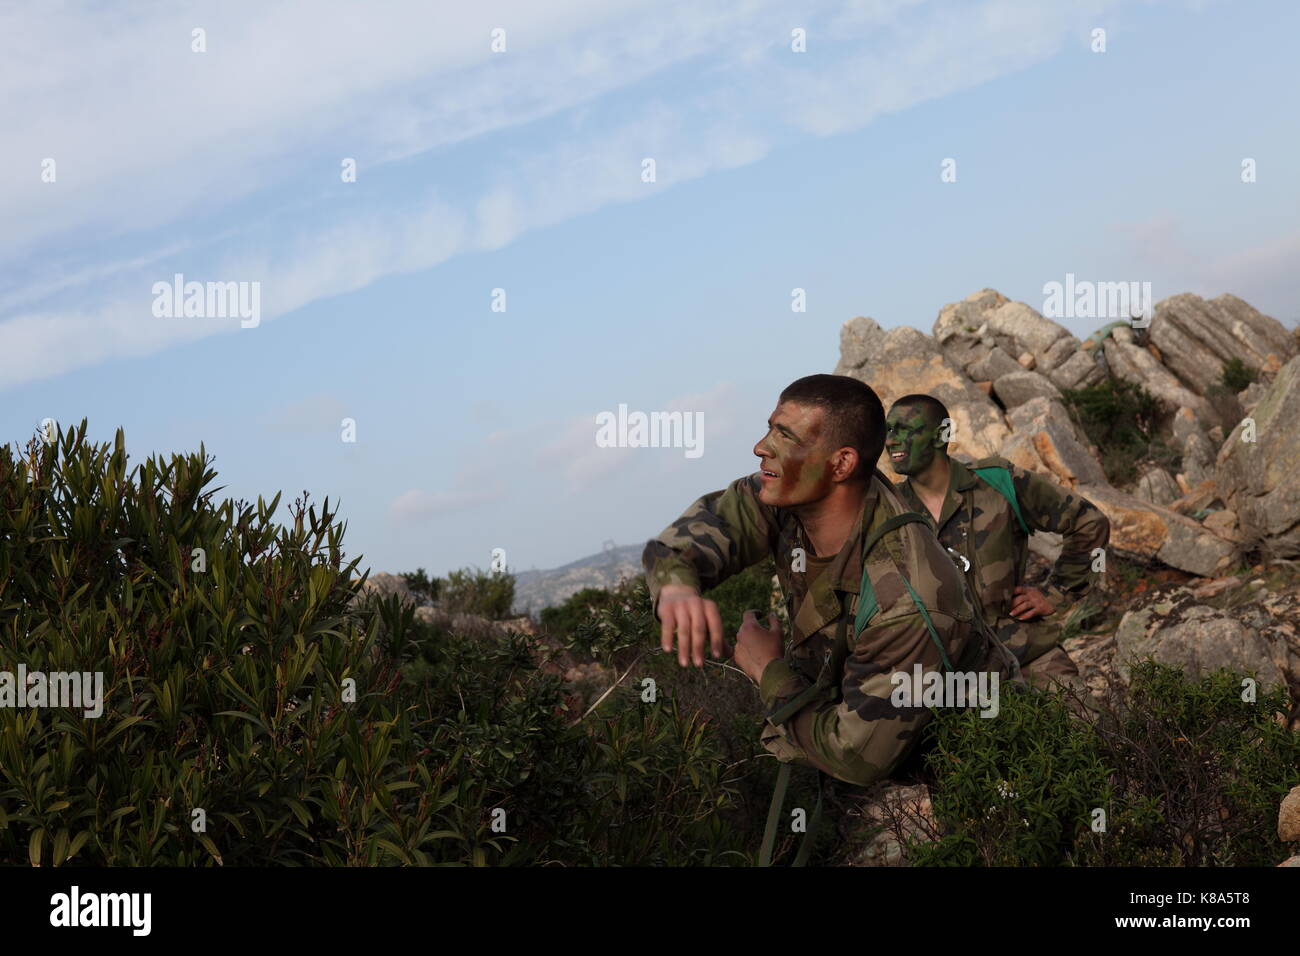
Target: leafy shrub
[(310, 725), (1186, 772), (1237, 375), (483, 593), (1121, 419), (425, 588)]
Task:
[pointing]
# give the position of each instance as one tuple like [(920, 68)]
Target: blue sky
[(521, 170)]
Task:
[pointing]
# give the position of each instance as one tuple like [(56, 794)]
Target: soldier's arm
[(719, 535), (1049, 507), (865, 735)]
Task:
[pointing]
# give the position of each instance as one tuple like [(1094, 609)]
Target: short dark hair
[(934, 410), (854, 415)]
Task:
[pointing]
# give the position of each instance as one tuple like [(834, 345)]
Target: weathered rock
[(1260, 480), (1198, 459), (1291, 861), (1140, 367), (1197, 337), (1157, 486), (1196, 639), (963, 319), (1078, 371), (1250, 396), (1195, 498), (1216, 586), (1183, 425), (1288, 817), (1018, 328), (1018, 387), (901, 361), (993, 366), (871, 825), (1026, 359), (1146, 532), (1223, 523), (1044, 426)]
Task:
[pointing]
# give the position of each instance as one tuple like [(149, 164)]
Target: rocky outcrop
[(1259, 479), (901, 361), (1196, 639), (1043, 430), (1001, 368), (1131, 363), (1142, 530), (1197, 337), (1288, 817)]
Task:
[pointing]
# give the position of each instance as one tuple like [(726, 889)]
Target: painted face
[(796, 467), (910, 439)]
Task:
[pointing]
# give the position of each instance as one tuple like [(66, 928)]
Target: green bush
[(1185, 771), (486, 594), (1121, 419), (1237, 375), (310, 726), (425, 588)]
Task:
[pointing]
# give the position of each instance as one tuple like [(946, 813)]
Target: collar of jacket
[(960, 480), (844, 574)]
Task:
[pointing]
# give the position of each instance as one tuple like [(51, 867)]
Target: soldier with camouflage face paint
[(812, 506), (978, 526)]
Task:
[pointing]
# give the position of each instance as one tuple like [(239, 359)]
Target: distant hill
[(535, 590)]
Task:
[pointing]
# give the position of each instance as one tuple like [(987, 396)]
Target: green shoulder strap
[(826, 687), (999, 479)]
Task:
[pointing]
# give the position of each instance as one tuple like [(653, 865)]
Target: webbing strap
[(999, 479), (826, 685), (774, 815)]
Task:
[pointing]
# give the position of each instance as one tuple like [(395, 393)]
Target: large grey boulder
[(1137, 365), (1196, 337), (1195, 638), (903, 360), (1016, 388), (1147, 532), (1260, 479), (1043, 428), (1078, 371), (1158, 487)]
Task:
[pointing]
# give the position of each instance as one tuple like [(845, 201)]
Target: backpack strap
[(827, 686), (999, 479)]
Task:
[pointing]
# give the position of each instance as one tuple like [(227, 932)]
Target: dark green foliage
[(228, 689), (483, 593), (1186, 772), (425, 588), (1121, 419), (1237, 375), (566, 618)]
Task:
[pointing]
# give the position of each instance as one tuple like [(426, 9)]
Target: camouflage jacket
[(977, 522), (861, 735)]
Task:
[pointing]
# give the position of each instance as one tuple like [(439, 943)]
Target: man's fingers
[(693, 649), (667, 623), (714, 618)]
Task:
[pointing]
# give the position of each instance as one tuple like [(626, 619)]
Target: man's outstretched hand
[(694, 620)]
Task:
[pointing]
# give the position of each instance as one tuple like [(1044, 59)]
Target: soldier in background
[(814, 504), (983, 514)]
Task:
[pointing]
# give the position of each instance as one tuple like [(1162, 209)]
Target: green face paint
[(911, 440)]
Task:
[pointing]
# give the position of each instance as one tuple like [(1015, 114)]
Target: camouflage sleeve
[(863, 737), (1050, 507), (719, 535)]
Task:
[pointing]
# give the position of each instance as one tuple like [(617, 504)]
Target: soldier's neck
[(827, 522), (932, 482)]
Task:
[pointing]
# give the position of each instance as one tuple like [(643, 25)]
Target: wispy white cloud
[(163, 146)]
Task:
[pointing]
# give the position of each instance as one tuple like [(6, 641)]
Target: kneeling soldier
[(870, 590)]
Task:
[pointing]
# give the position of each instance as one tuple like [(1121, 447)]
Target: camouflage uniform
[(861, 736), (977, 522)]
